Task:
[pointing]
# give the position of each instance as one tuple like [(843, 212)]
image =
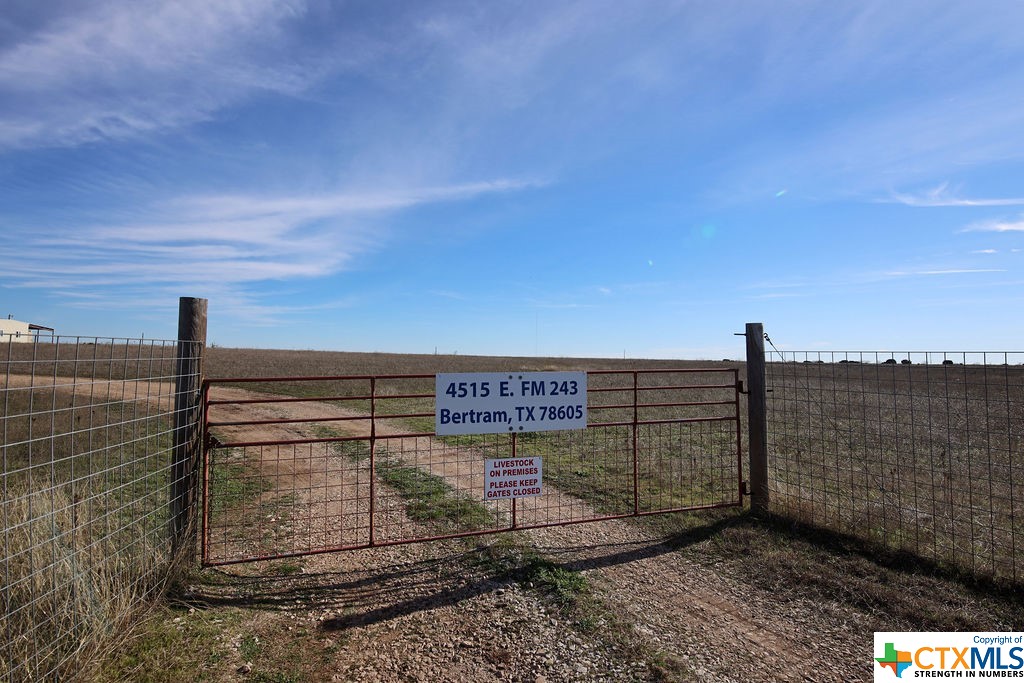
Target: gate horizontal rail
[(354, 461)]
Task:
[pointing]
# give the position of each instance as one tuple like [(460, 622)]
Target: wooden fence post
[(757, 413), (187, 421)]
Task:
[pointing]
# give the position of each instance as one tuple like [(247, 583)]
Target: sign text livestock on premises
[(513, 478), (497, 402)]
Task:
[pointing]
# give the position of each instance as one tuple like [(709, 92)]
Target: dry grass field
[(917, 457), (86, 455), (924, 458), (843, 533), (897, 500)]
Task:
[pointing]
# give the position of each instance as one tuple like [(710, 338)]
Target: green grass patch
[(276, 677), (174, 643), (510, 557), (234, 483), (425, 425), (287, 567), (249, 647), (677, 468), (356, 450), (565, 586), (429, 499), (242, 502)]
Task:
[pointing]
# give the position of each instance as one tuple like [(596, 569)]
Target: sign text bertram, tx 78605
[(496, 402)]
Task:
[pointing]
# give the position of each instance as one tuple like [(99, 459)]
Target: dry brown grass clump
[(72, 583), (84, 500)]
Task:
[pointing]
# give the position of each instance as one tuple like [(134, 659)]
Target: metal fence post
[(187, 420), (757, 413)]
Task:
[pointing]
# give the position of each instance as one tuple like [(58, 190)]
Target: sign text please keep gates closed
[(513, 478)]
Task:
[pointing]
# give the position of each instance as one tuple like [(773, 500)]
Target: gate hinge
[(743, 390), (746, 488)]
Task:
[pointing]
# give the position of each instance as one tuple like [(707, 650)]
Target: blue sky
[(558, 178)]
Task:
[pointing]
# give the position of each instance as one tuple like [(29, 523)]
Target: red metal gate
[(304, 465)]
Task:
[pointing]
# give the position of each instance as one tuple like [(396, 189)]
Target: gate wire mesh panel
[(350, 462), (919, 451), (86, 469)]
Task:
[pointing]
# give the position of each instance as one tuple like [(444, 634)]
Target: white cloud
[(564, 307), (940, 196), (447, 294), (996, 226), (945, 271), (225, 244), (118, 69), (775, 295), (255, 208), (780, 284)]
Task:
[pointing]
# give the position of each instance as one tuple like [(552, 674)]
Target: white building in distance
[(18, 331)]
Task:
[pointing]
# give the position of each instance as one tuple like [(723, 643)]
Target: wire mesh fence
[(353, 462), (86, 474), (922, 452)]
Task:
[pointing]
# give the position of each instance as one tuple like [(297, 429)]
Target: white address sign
[(496, 402)]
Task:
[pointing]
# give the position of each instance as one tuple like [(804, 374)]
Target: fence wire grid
[(355, 462), (920, 451), (86, 476)]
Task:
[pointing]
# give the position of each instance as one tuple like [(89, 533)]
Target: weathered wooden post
[(187, 421), (757, 413)]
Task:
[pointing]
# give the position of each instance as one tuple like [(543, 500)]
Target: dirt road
[(430, 612)]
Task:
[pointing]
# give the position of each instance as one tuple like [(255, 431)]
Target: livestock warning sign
[(513, 478)]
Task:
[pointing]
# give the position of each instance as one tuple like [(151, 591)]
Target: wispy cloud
[(945, 271), (447, 294), (798, 283), (565, 306), (996, 226), (228, 207), (225, 244), (963, 115), (556, 304), (775, 295), (941, 196), (113, 70)]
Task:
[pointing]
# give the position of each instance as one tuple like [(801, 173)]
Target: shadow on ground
[(774, 555)]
